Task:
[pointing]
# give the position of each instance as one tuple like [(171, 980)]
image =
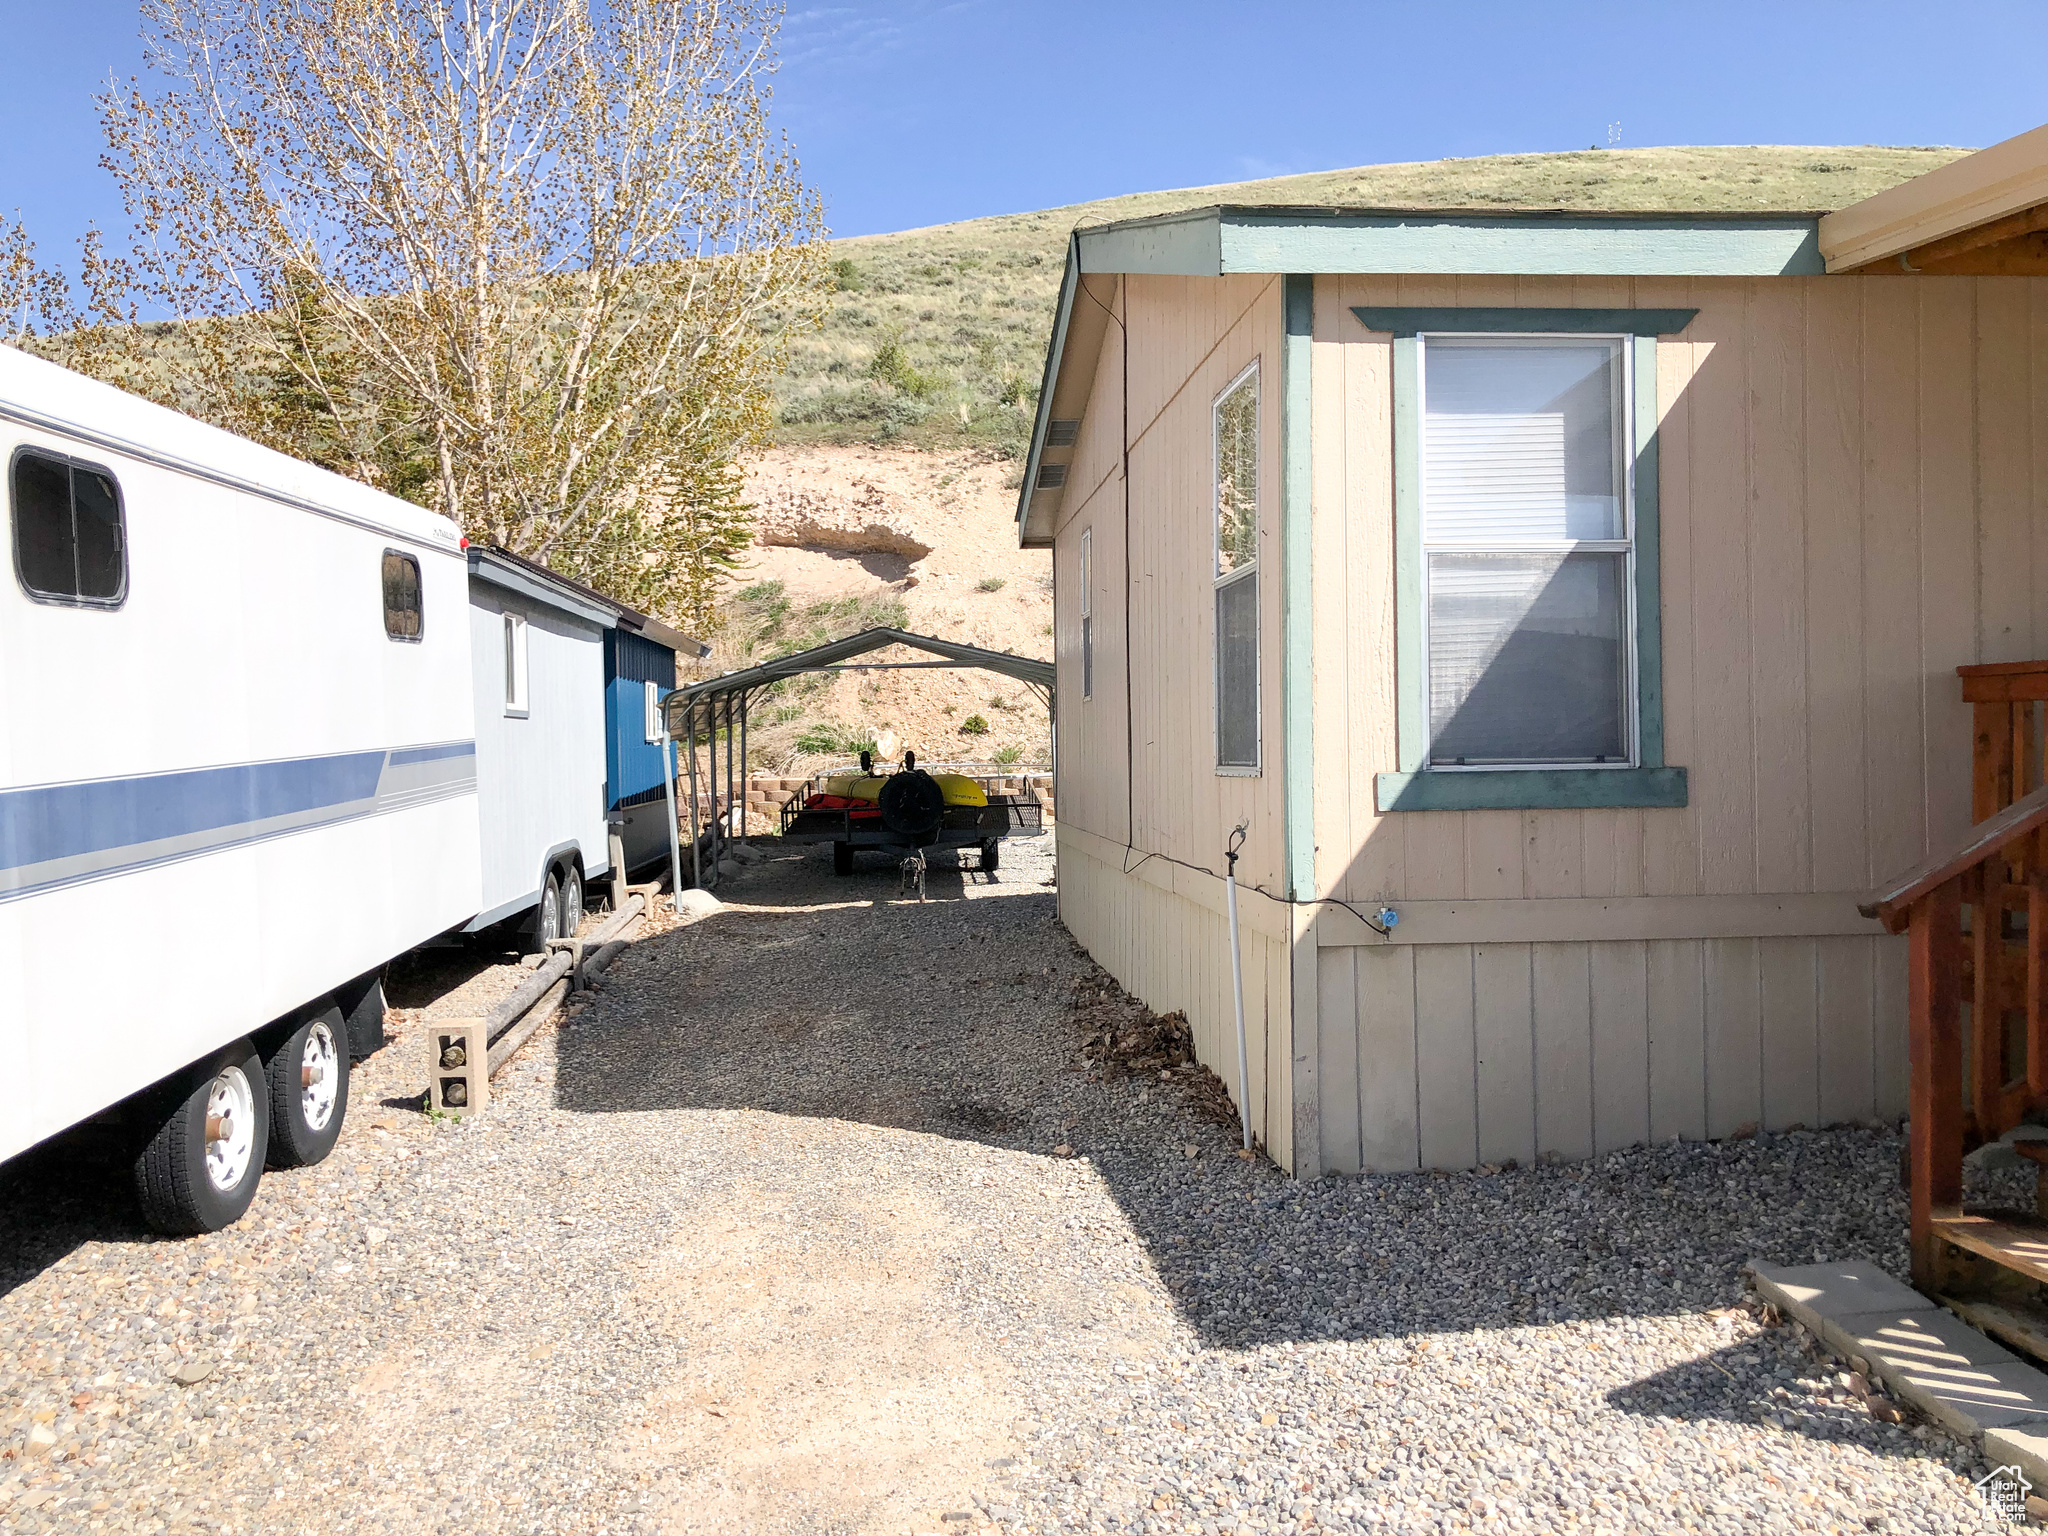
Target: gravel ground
[(819, 1220)]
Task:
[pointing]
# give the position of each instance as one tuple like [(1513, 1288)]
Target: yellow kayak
[(956, 789)]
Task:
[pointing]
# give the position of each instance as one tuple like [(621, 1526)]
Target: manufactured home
[(1568, 606)]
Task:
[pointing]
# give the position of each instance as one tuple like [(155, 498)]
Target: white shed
[(537, 651)]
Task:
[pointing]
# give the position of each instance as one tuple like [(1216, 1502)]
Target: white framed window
[(1087, 613), (515, 666), (1234, 441), (1528, 554), (653, 703)]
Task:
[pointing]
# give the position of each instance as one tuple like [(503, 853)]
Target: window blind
[(1526, 562)]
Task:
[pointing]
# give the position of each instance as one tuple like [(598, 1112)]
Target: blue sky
[(925, 111)]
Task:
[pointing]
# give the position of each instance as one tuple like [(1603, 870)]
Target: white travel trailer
[(232, 683), (538, 647)]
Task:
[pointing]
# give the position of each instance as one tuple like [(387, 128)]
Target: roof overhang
[(1026, 669), (661, 634), (520, 574), (1223, 241), (1985, 215), (538, 584)]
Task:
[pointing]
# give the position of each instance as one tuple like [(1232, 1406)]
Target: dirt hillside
[(855, 534)]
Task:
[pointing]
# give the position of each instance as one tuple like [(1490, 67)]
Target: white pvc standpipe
[(675, 842), (1244, 1082)]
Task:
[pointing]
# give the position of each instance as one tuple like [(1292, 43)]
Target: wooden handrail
[(1892, 905), (2004, 682)]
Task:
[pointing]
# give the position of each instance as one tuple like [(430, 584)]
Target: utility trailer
[(702, 716), (883, 828)]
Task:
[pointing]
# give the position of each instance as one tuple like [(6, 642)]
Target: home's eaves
[(1526, 242), (1079, 324), (2000, 186), (1229, 239)]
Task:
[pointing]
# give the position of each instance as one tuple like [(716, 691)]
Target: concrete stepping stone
[(1923, 1354)]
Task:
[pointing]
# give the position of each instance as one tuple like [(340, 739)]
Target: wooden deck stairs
[(1977, 923)]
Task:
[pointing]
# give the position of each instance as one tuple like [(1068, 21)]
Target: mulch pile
[(1121, 1037)]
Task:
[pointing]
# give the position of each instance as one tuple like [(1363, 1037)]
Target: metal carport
[(698, 707)]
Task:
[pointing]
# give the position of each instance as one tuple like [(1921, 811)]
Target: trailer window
[(69, 539), (515, 665), (404, 616)]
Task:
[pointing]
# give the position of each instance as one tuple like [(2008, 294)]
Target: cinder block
[(458, 1066)]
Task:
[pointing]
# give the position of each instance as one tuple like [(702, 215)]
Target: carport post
[(696, 840), (725, 821), (743, 764), (668, 785), (728, 769)]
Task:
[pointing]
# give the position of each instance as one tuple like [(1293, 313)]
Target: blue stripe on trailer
[(432, 754), (57, 821), (57, 834)]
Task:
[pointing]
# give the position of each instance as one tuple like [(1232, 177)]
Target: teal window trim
[(1414, 787), (1297, 592), (1402, 321)]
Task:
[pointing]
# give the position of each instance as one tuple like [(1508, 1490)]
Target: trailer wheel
[(842, 858), (547, 924), (572, 901), (199, 1171), (308, 1086), (991, 855)]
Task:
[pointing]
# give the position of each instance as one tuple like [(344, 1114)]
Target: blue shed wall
[(632, 764)]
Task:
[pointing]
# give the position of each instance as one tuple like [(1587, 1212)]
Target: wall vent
[(1061, 434), (1051, 476)]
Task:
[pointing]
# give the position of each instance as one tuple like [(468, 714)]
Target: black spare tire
[(913, 805)]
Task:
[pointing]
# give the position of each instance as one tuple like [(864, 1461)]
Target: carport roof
[(1025, 669)]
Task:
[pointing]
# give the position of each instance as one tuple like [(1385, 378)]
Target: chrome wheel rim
[(230, 1129), (550, 914), (572, 906), (319, 1076)]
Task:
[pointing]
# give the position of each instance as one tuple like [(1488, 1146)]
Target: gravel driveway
[(777, 1237)]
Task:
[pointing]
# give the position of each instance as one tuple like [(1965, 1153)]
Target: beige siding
[(1159, 810), (1449, 1055), (1854, 501)]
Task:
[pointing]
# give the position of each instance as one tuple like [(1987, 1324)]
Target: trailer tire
[(186, 1183), (308, 1086), (842, 858), (991, 855), (547, 921), (572, 900)]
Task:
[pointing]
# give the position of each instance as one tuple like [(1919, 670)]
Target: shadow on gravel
[(956, 1019), (73, 1189)]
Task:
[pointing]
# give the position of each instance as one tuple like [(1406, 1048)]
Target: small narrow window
[(515, 665), (1087, 613), (653, 700), (403, 611), (1235, 440), (70, 543)]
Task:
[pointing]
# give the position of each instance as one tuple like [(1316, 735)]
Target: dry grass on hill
[(937, 336)]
